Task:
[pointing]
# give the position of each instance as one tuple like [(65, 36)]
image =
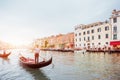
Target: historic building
[(60, 41), (99, 34)]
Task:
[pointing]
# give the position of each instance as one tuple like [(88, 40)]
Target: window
[(92, 43), (92, 31), (79, 44), (99, 43), (99, 36), (114, 20), (76, 40), (88, 32), (92, 37), (106, 42), (106, 28), (79, 34), (84, 44), (99, 30), (88, 38), (115, 29), (84, 38), (75, 34), (114, 36), (76, 45), (79, 39), (83, 33), (106, 35)]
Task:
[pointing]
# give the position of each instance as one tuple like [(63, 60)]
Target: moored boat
[(28, 62), (5, 55)]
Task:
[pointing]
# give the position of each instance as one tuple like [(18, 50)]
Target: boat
[(28, 62), (80, 51), (5, 55)]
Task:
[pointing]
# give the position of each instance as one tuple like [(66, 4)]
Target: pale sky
[(22, 21)]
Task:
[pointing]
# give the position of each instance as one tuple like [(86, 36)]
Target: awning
[(115, 43)]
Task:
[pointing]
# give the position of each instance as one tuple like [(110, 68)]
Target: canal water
[(65, 66)]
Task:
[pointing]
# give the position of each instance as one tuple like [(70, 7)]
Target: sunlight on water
[(65, 66)]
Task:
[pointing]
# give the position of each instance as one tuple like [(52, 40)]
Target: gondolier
[(37, 50)]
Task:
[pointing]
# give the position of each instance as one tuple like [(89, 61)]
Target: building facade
[(60, 41), (99, 34)]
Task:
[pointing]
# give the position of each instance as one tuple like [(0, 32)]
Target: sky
[(23, 21)]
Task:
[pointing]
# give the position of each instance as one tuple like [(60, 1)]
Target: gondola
[(5, 55), (28, 62)]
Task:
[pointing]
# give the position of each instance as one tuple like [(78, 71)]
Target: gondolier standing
[(37, 50)]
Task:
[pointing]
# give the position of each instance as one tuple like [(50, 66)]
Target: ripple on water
[(65, 66)]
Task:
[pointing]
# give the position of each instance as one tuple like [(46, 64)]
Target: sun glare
[(16, 41)]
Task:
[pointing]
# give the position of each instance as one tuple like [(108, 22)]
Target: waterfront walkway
[(61, 50), (88, 50), (110, 51)]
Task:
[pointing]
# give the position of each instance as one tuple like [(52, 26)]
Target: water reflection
[(5, 61), (99, 66), (65, 66), (37, 74)]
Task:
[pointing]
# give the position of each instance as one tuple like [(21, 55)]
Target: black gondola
[(31, 62)]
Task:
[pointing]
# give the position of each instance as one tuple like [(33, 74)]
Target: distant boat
[(28, 62), (5, 55), (80, 51)]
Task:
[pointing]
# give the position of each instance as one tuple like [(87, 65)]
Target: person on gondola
[(37, 50)]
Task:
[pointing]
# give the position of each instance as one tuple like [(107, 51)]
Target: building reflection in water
[(99, 65)]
